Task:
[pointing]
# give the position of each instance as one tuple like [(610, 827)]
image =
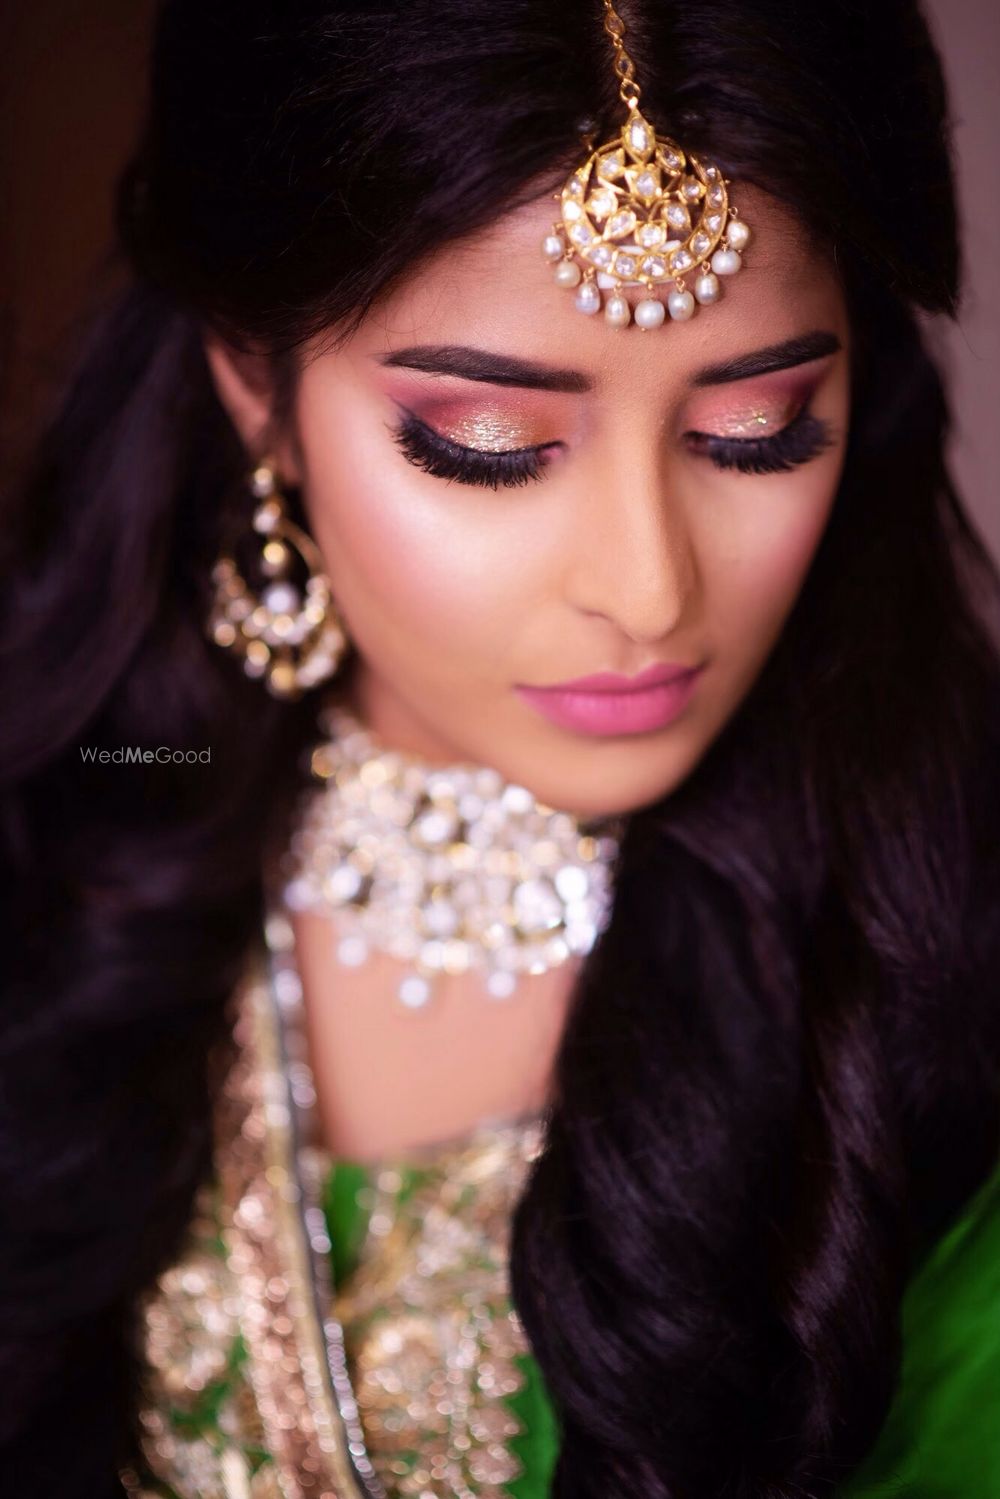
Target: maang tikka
[(641, 212)]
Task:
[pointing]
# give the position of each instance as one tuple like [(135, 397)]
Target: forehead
[(495, 290)]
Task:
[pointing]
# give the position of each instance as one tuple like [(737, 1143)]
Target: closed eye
[(801, 440), (445, 459)]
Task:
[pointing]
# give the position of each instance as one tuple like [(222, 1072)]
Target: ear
[(244, 383)]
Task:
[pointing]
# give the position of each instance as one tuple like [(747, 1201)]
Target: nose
[(633, 561)]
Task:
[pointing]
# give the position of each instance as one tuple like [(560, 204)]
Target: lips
[(610, 681), (608, 704)]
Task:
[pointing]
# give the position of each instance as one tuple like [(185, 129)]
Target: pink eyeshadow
[(756, 409), (491, 429), (491, 418)]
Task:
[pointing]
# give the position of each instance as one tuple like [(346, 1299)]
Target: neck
[(394, 724), (449, 868)]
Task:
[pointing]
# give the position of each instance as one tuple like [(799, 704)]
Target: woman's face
[(511, 495)]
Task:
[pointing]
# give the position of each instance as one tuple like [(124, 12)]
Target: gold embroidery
[(428, 1325), (201, 1433), (274, 1262), (248, 1350), (240, 1309)]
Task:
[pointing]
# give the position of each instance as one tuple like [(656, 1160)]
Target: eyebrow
[(799, 350), (504, 369), (493, 369)]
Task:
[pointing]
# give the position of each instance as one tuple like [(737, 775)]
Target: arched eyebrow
[(504, 369), (493, 369), (799, 350)]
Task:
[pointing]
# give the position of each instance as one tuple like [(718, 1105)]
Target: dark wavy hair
[(779, 1077)]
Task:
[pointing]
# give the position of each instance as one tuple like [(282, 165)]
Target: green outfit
[(266, 1371), (942, 1436), (348, 1193)]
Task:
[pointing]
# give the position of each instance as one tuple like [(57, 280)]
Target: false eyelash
[(445, 459), (802, 439)]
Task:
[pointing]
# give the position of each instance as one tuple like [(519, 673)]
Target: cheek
[(762, 544), (413, 561)]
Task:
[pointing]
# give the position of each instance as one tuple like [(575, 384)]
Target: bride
[(500, 810)]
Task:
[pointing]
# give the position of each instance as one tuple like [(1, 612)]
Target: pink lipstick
[(607, 703)]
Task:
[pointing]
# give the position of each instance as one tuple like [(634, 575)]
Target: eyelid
[(443, 437), (798, 442), (439, 456), (482, 434), (780, 396), (481, 427), (755, 425)]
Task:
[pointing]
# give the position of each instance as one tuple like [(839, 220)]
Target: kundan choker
[(641, 212), (448, 869)]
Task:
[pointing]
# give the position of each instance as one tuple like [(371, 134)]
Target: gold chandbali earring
[(641, 212), (289, 635)]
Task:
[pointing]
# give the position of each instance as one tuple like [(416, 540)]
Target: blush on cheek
[(411, 560), (401, 564), (416, 581), (768, 561)]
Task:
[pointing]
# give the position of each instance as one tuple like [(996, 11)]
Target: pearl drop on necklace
[(448, 869)]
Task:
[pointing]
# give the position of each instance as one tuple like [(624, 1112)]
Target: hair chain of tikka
[(628, 86), (642, 213)]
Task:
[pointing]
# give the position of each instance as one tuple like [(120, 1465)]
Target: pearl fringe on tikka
[(449, 869), (642, 213), (627, 223)]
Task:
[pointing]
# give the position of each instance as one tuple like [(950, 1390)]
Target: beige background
[(968, 31), (70, 84)]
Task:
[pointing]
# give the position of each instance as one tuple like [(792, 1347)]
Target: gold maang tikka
[(641, 212)]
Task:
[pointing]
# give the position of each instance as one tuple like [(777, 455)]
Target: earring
[(293, 638)]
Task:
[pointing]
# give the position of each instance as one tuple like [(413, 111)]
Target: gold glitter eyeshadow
[(741, 424), (489, 431), (750, 425)]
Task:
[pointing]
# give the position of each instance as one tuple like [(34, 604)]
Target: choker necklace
[(447, 868)]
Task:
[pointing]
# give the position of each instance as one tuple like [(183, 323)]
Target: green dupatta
[(941, 1439)]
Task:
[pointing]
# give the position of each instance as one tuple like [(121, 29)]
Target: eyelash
[(801, 440), (445, 459), (804, 438)]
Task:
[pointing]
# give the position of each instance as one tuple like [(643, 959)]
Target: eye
[(803, 439), (438, 455)]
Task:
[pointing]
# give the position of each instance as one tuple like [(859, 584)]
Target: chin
[(593, 797), (599, 776)]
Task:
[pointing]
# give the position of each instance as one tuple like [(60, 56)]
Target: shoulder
[(199, 1421), (202, 1437), (940, 1436)]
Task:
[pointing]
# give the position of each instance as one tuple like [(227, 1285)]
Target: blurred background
[(71, 83)]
